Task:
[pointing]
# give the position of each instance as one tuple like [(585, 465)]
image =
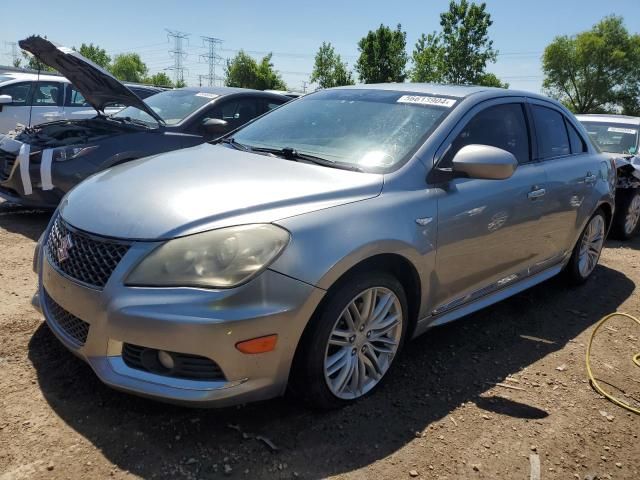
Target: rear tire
[(587, 250), (626, 220), (350, 344)]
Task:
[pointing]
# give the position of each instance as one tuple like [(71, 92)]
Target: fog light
[(165, 359)]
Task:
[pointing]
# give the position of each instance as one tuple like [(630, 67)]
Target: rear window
[(614, 137), (553, 139)]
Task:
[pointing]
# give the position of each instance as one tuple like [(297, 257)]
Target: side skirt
[(485, 301)]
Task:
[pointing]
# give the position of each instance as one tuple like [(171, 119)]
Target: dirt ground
[(441, 415)]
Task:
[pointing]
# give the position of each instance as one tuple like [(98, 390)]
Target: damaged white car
[(617, 135)]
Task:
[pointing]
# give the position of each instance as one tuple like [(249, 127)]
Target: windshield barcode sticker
[(207, 95), (422, 100), (630, 131)]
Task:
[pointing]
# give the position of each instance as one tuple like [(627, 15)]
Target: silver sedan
[(305, 249)]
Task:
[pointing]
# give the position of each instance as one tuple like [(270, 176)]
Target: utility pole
[(178, 54), (211, 57), (304, 86), (13, 52)]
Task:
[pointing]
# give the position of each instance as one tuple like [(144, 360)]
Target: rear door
[(17, 111), (75, 105), (572, 174), (488, 230), (47, 99)]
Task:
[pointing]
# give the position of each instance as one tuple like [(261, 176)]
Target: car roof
[(24, 76), (456, 91), (610, 118), (221, 91)]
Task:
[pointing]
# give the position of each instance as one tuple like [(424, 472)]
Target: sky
[(294, 30)]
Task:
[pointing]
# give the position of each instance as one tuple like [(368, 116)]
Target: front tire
[(626, 220), (586, 253), (351, 343)]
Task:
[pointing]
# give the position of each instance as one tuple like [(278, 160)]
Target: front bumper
[(201, 322)]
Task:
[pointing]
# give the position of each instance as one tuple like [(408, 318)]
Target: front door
[(46, 99), (488, 229), (18, 110)]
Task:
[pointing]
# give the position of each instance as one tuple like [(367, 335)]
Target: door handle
[(537, 193), (590, 178)]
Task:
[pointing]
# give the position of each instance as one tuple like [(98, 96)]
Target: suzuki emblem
[(63, 249)]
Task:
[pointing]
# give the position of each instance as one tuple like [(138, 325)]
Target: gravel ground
[(480, 398)]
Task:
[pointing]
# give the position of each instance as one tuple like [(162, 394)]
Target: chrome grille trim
[(90, 259)]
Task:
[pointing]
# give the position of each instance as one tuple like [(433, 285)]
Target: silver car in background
[(306, 249)]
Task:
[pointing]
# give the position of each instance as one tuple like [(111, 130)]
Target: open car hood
[(98, 86)]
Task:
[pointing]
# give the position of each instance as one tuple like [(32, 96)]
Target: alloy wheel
[(633, 215), (591, 246), (363, 343)]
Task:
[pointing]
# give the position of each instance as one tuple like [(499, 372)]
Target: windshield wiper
[(131, 121), (293, 154), (231, 141)]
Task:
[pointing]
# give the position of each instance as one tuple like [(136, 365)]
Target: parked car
[(31, 99), (287, 93), (617, 135), (42, 163), (304, 249)]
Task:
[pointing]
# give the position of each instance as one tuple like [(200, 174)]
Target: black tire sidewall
[(308, 369), (624, 197)]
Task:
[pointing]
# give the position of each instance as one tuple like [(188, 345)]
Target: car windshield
[(172, 106), (614, 137), (371, 130)]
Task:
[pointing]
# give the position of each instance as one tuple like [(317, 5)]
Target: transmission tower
[(212, 58), (178, 54), (12, 52)]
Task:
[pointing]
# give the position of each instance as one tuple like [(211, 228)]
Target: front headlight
[(221, 258), (63, 154)]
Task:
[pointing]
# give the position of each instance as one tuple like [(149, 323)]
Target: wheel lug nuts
[(362, 328), (364, 348), (352, 338), (354, 351), (369, 334)]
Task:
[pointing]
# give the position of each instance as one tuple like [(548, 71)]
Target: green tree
[(33, 63), (17, 62), (383, 57), (181, 83), (159, 79), (459, 53), (596, 70), (329, 70), (244, 72), (128, 67), (491, 80), (96, 54)]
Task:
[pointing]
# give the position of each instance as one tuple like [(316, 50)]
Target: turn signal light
[(258, 345)]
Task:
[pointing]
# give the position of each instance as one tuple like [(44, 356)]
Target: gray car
[(306, 249)]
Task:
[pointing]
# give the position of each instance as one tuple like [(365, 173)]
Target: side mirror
[(215, 125), (485, 162), (4, 100)]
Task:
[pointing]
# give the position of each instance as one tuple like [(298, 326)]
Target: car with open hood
[(305, 248), (40, 164), (32, 98), (619, 137)]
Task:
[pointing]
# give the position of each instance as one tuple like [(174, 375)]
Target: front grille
[(86, 258), (76, 329), (193, 367), (7, 160)]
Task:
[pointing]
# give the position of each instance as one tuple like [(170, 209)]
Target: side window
[(74, 98), (576, 141), (248, 109), (502, 126), (271, 105), (47, 93), (19, 93), (225, 111), (553, 140)]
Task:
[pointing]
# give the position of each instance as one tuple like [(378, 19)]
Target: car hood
[(206, 187), (98, 86)]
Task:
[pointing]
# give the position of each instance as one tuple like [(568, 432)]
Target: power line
[(212, 58), (178, 54)]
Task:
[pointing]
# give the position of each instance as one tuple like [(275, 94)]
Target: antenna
[(177, 53), (13, 53), (212, 58)]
